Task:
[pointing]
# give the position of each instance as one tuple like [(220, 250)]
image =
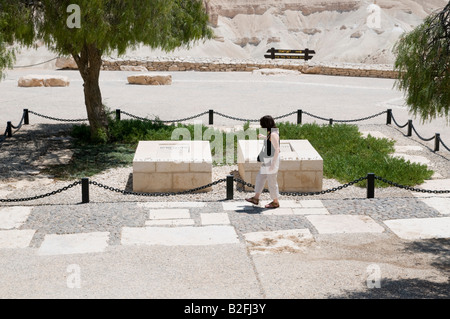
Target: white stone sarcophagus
[(171, 166), (301, 166)]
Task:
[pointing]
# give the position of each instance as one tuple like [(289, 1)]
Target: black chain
[(16, 200), (57, 119), (423, 139), (445, 146), (286, 115), (345, 121), (400, 126), (165, 121), (236, 118), (189, 191), (331, 190), (412, 188)]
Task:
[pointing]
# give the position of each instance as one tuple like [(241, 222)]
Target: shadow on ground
[(438, 250)]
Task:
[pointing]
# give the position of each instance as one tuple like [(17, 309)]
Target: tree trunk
[(89, 64)]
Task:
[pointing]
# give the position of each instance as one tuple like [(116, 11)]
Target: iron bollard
[(211, 117), (85, 190), (331, 122), (371, 185), (230, 187), (26, 117), (299, 116), (118, 115), (8, 129), (409, 128), (437, 142), (389, 117)]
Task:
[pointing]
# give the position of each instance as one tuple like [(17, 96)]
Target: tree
[(423, 64), (7, 54), (89, 29)]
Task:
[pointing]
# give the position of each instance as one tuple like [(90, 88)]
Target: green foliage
[(110, 25), (423, 64), (7, 54)]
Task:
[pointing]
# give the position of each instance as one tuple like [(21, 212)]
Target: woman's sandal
[(273, 205), (253, 200)]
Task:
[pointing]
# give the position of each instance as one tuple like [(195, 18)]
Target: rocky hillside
[(351, 31), (339, 30)]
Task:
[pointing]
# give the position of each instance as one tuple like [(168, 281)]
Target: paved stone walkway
[(79, 229)]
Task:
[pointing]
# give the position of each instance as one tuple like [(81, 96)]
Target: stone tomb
[(171, 166), (301, 167)]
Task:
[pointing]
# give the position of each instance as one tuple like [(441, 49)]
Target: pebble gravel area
[(110, 211)]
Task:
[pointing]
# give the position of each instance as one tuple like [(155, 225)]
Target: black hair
[(267, 122)]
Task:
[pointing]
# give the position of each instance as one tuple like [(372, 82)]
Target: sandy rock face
[(150, 79), (66, 64), (43, 81)]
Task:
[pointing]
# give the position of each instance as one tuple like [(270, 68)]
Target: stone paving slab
[(442, 205), (13, 217), (169, 214), (11, 239), (172, 205), (214, 219), (180, 236), (170, 222), (339, 224), (74, 244), (420, 228)]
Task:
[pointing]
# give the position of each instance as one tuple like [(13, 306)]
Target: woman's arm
[(275, 139)]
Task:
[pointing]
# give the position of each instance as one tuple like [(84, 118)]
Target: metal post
[(389, 117), (211, 117), (272, 53), (371, 185), (331, 122), (299, 116), (230, 187), (307, 57), (437, 142), (8, 129), (409, 128), (26, 117), (118, 115), (85, 190)]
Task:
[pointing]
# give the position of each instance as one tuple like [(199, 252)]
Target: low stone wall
[(234, 65)]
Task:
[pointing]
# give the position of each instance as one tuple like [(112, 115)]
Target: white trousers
[(272, 182)]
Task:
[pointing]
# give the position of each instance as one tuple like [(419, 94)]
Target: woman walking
[(270, 159)]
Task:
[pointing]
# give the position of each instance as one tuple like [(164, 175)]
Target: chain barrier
[(345, 121), (400, 126), (165, 121), (189, 191), (422, 138), (57, 119), (27, 199), (32, 65), (330, 190), (412, 188), (235, 179), (445, 146), (236, 118)]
